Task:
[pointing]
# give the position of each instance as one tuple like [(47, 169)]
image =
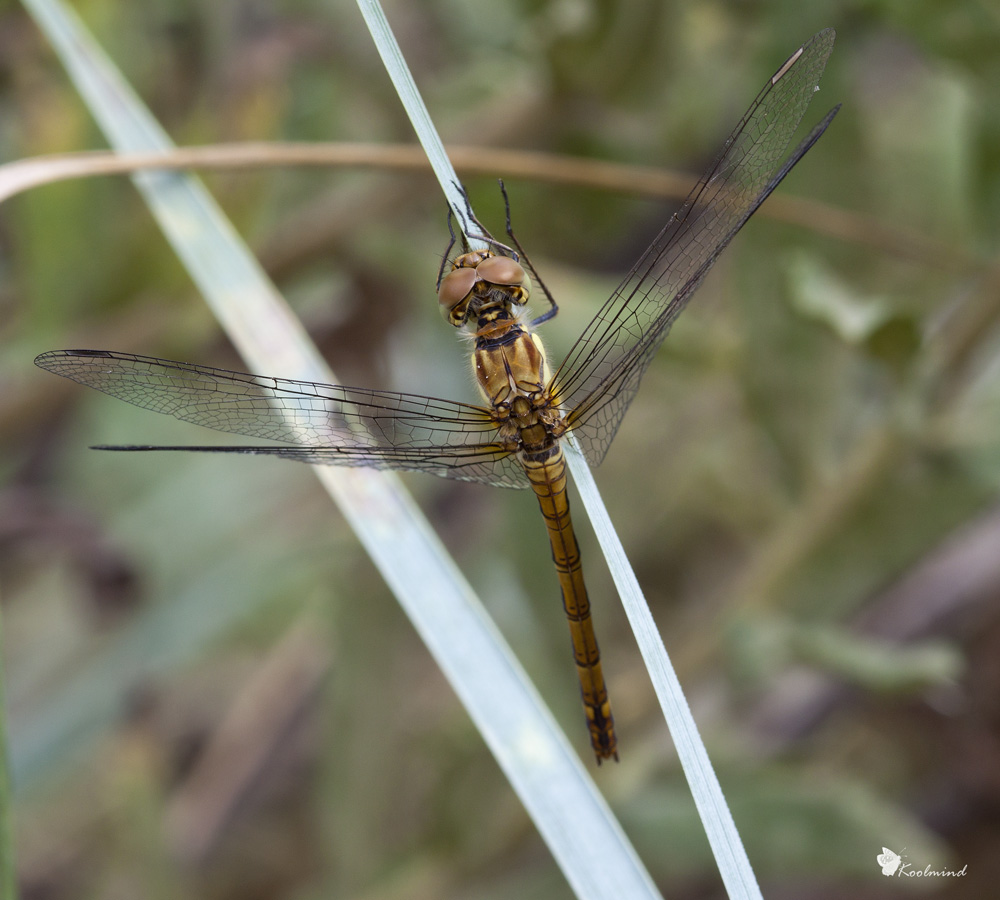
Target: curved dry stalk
[(646, 181)]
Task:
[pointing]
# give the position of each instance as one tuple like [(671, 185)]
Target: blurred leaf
[(869, 322), (819, 295), (878, 665), (764, 646)]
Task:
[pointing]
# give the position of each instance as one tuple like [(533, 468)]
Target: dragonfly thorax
[(508, 362), (530, 424), (483, 282)]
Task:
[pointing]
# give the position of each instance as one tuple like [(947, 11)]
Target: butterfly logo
[(889, 861)]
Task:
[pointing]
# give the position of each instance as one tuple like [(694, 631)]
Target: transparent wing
[(330, 424), (600, 376)]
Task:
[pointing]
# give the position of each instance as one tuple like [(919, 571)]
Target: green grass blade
[(571, 815)]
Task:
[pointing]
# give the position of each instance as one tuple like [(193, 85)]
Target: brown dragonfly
[(515, 440)]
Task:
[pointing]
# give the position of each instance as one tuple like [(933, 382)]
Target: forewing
[(600, 376), (330, 424)]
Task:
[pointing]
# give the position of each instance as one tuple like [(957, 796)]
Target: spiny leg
[(544, 317)]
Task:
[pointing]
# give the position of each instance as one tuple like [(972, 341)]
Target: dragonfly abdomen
[(547, 474)]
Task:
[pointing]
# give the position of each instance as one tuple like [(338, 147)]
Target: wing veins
[(603, 367), (331, 424)]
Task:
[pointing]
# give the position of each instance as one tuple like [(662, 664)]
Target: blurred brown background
[(213, 695)]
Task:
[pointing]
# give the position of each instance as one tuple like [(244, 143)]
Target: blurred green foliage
[(822, 418)]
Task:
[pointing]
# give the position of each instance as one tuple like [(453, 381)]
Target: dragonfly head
[(477, 275)]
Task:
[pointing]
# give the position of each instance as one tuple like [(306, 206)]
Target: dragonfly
[(515, 438)]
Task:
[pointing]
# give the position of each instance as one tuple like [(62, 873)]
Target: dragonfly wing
[(600, 376), (328, 423), (482, 463)]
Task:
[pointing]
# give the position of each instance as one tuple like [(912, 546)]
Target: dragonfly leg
[(447, 250), (553, 309)]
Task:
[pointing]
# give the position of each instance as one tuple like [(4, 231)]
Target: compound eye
[(456, 286), (501, 270), (525, 286)]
